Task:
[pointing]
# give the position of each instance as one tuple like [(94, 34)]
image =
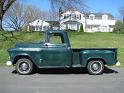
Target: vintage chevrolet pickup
[(56, 52)]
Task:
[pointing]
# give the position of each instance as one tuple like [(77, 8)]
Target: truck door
[(57, 53)]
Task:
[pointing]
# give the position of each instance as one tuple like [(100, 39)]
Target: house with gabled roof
[(41, 25), (92, 22), (38, 25), (72, 19)]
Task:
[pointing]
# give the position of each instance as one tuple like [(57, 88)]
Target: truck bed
[(78, 52)]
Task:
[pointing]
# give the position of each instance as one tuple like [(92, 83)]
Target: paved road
[(112, 81)]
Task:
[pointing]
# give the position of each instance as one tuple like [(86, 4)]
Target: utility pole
[(60, 12)]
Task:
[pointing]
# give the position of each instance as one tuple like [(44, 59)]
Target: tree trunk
[(1, 18), (1, 27)]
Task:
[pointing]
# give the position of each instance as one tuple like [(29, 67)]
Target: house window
[(66, 16), (78, 17), (38, 28), (104, 17), (89, 26), (73, 16), (91, 17), (73, 26), (104, 28), (32, 28)]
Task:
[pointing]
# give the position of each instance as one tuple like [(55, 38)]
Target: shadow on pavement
[(109, 70), (62, 71), (67, 71)]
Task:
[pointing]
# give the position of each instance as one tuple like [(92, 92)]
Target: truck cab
[(56, 52)]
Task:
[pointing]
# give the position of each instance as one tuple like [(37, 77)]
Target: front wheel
[(95, 67), (24, 66)]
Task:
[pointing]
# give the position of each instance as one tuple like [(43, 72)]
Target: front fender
[(33, 54), (14, 58)]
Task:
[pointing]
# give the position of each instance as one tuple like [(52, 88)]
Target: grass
[(78, 40), (19, 37)]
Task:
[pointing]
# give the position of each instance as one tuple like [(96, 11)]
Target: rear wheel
[(95, 67), (24, 66)]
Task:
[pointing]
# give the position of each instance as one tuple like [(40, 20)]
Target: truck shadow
[(109, 71), (68, 71), (71, 71)]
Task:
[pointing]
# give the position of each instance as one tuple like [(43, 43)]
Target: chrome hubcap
[(24, 67), (95, 67)]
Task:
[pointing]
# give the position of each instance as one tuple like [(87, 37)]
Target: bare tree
[(32, 13), (67, 4), (14, 17), (4, 6), (20, 15), (78, 4)]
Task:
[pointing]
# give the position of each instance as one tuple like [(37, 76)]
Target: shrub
[(81, 28), (119, 27)]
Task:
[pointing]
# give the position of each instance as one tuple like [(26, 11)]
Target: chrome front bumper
[(8, 63), (118, 63)]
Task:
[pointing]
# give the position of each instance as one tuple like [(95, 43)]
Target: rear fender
[(86, 61)]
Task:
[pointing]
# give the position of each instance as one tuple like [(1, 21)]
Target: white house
[(38, 25), (72, 20), (92, 22)]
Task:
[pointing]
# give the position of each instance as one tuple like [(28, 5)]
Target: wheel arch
[(22, 56), (91, 59)]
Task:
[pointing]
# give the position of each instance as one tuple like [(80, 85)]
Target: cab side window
[(56, 39)]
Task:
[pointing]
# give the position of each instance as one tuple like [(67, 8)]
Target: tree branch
[(7, 6)]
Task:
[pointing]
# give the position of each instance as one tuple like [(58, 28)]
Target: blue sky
[(109, 6)]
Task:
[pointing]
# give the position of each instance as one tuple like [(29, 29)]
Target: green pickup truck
[(56, 52)]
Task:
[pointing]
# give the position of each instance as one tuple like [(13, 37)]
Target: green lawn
[(78, 40)]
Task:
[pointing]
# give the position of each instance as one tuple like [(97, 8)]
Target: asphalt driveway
[(61, 81)]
